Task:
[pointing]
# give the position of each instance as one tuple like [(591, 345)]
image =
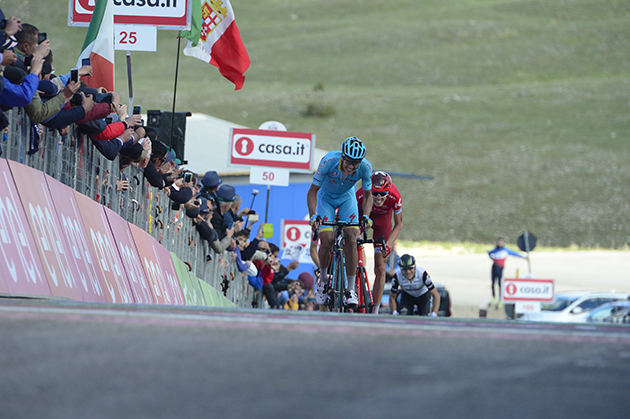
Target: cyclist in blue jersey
[(333, 190)]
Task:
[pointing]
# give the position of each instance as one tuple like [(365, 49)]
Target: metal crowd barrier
[(74, 161)]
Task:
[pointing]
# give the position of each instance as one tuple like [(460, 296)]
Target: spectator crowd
[(63, 102)]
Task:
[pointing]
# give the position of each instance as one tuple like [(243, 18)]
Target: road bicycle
[(335, 281)]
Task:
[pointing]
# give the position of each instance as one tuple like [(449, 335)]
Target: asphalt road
[(67, 360)]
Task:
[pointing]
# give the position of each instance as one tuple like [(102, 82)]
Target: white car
[(571, 307)]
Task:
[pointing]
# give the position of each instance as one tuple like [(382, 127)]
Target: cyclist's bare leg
[(326, 242), (380, 270), (350, 251), (314, 255)]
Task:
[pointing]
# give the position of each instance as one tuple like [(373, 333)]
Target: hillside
[(518, 109)]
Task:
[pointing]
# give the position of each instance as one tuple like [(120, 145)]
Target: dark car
[(445, 300), (613, 312)]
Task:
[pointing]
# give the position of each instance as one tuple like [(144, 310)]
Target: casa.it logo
[(293, 234), (84, 6), (511, 289), (244, 146)]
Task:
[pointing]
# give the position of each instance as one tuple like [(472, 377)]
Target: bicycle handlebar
[(333, 224)]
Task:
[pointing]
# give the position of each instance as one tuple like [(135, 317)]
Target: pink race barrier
[(21, 269), (159, 268), (54, 252), (130, 258), (90, 280), (100, 238)]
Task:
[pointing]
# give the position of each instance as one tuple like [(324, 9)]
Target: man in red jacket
[(265, 270)]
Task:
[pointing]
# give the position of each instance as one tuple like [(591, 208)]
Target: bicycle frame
[(363, 284), (337, 279)]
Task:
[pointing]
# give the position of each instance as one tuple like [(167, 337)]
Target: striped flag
[(215, 39), (99, 46)]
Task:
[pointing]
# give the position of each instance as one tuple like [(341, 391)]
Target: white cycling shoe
[(351, 298), (320, 297)]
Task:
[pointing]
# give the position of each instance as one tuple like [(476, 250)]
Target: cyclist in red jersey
[(387, 202)]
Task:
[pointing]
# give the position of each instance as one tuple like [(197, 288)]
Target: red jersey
[(392, 204)]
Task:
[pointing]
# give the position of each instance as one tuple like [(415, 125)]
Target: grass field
[(518, 109)]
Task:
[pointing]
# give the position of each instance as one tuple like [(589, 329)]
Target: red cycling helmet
[(381, 182)]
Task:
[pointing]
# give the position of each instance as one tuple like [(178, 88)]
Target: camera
[(109, 120), (197, 202), (76, 100)]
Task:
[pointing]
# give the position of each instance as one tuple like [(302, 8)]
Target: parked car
[(613, 312), (445, 300), (572, 307)]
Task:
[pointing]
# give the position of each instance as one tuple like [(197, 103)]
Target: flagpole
[(179, 43), (129, 79)]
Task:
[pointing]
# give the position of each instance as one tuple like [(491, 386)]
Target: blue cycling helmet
[(353, 148)]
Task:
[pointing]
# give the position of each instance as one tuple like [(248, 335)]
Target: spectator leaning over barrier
[(202, 222), (250, 250), (265, 270), (8, 29), (245, 267), (181, 192), (207, 231), (28, 45), (210, 183), (151, 173), (225, 197)]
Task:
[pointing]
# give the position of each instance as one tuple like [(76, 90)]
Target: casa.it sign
[(166, 14), (290, 150), (527, 290)]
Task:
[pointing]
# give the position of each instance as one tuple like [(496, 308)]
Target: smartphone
[(188, 177), (41, 37), (109, 120), (137, 110), (74, 74), (85, 61)]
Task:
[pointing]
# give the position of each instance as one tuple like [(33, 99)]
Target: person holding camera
[(8, 29), (182, 190)]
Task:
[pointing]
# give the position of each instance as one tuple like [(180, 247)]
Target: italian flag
[(215, 39), (99, 46)]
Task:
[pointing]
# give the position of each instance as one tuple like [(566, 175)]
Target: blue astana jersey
[(333, 181)]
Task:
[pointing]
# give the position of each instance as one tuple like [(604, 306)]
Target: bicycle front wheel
[(365, 290), (340, 280)]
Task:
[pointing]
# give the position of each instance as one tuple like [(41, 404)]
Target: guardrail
[(74, 161)]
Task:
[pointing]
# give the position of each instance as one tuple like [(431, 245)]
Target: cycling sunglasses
[(380, 193), (354, 163)]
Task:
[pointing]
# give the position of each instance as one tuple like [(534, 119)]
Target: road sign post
[(527, 242)]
